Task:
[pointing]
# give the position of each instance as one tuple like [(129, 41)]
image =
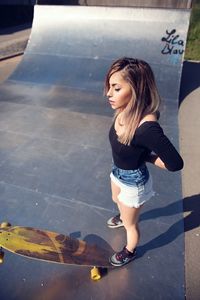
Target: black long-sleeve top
[(149, 137)]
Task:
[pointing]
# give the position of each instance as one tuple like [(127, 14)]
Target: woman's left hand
[(155, 160)]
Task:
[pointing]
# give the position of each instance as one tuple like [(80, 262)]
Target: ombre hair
[(145, 98)]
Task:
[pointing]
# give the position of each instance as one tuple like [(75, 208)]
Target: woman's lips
[(111, 102)]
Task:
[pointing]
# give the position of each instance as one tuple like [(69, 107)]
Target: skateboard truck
[(5, 225), (95, 274), (1, 256)]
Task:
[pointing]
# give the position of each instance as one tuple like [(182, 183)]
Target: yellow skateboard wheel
[(5, 224), (95, 274)]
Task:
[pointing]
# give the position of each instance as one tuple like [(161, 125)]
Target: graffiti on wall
[(173, 43)]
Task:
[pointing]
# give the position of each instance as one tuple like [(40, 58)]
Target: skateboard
[(53, 247)]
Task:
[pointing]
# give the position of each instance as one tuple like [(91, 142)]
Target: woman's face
[(120, 92)]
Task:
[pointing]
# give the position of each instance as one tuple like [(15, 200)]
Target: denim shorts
[(135, 185)]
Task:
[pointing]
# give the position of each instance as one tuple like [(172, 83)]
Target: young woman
[(136, 138)]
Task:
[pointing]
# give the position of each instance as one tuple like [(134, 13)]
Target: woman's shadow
[(190, 221)]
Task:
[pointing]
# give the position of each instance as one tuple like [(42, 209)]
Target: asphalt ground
[(12, 44)]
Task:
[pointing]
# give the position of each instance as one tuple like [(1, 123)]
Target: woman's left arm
[(166, 156)]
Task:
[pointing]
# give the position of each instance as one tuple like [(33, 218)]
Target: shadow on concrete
[(14, 15), (11, 30), (190, 80), (191, 204), (191, 221), (97, 240), (93, 239)]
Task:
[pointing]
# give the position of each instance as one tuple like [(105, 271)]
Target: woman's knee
[(130, 225), (129, 216), (114, 199)]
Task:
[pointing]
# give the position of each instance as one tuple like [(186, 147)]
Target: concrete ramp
[(73, 46), (55, 157)]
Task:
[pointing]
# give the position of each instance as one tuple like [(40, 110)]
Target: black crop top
[(148, 137)]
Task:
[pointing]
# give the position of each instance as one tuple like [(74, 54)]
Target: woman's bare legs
[(129, 217)]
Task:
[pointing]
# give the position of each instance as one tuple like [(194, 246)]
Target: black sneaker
[(122, 258), (115, 222)]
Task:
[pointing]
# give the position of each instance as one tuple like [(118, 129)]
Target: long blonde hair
[(145, 97)]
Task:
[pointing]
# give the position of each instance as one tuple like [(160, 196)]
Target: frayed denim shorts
[(135, 185)]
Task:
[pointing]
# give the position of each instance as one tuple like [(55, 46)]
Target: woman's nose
[(109, 93)]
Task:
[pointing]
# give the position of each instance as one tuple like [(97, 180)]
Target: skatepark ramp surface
[(55, 157), (73, 46)]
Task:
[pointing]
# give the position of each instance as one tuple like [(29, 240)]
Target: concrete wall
[(16, 12), (140, 3), (137, 3)]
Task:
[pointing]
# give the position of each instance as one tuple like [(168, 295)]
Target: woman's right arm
[(155, 160)]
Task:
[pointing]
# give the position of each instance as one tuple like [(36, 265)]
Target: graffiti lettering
[(173, 45)]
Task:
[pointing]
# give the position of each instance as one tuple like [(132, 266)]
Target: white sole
[(116, 226)]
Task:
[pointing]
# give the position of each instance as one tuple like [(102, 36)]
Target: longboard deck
[(52, 247)]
